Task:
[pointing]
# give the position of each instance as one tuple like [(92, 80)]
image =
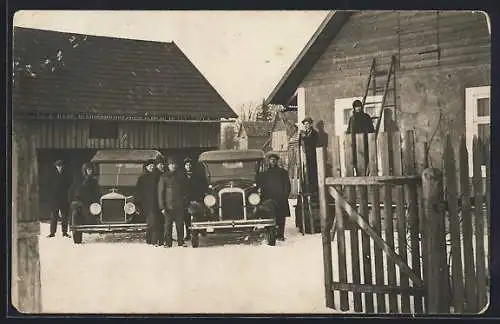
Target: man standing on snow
[(196, 188), (275, 185), (61, 183), (359, 123), (83, 193), (171, 198), (147, 201), (158, 171)]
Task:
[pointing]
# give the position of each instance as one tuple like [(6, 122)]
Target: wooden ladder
[(385, 90)]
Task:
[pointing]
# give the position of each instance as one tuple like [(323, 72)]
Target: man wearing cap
[(172, 193), (275, 185), (309, 140), (360, 123), (59, 191), (196, 187), (147, 201)]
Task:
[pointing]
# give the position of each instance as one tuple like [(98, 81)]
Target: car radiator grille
[(112, 210), (232, 206)]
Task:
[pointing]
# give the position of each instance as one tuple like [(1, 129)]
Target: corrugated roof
[(256, 128), (314, 48), (82, 73)]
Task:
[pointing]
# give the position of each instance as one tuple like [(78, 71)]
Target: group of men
[(164, 195)]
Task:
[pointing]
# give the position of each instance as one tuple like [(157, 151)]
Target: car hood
[(238, 183)]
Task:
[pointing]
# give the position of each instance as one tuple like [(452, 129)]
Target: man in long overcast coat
[(275, 185)]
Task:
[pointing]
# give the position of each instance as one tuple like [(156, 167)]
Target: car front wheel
[(271, 236)]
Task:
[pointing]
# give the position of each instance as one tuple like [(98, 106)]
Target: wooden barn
[(80, 93), (253, 134), (439, 79)]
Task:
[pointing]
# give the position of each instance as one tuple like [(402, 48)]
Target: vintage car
[(117, 173), (233, 202)]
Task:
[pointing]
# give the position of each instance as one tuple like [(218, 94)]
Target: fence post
[(436, 280), (325, 228)]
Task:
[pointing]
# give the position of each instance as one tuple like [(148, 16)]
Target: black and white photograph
[(251, 162)]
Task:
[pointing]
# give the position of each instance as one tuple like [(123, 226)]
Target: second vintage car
[(233, 201), (117, 174)]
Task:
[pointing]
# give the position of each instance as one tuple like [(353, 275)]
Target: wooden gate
[(393, 228), (377, 252)]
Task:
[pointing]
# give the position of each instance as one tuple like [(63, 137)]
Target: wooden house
[(76, 94), (253, 134), (442, 74)]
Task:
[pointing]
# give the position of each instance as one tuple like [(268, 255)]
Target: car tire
[(195, 239), (77, 237), (271, 236)]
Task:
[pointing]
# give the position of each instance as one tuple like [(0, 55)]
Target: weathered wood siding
[(72, 134), (426, 83)]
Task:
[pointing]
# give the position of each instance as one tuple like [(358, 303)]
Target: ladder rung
[(373, 102)]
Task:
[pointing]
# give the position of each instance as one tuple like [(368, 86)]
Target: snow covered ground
[(118, 273)]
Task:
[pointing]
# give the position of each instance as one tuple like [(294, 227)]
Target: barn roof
[(304, 62), (72, 73), (256, 128)]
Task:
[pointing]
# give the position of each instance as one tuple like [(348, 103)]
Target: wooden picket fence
[(466, 226), (391, 227)]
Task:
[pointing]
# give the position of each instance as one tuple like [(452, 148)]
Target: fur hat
[(59, 162), (148, 162), (307, 119), (272, 154), (188, 159)]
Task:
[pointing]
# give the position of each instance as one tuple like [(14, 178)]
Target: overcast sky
[(242, 53)]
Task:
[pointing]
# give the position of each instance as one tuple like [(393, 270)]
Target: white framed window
[(343, 111), (477, 118)]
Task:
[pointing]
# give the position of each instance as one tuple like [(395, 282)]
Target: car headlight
[(95, 209), (254, 199), (209, 200), (129, 208)]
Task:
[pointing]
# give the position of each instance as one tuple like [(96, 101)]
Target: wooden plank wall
[(64, 134)]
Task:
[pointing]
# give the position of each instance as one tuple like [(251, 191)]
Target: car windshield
[(231, 170), (119, 174)]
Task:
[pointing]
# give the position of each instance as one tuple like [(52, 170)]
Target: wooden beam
[(372, 180), (364, 288), (356, 217)]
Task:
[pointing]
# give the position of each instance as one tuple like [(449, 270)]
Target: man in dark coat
[(196, 187), (158, 171), (60, 186), (275, 185), (309, 141), (172, 193), (360, 123), (147, 200), (83, 193)]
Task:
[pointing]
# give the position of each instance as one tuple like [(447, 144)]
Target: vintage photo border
[(494, 309)]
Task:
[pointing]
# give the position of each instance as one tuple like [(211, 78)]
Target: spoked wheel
[(195, 239), (271, 236)]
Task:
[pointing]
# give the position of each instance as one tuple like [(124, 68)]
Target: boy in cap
[(171, 199), (59, 191), (275, 185), (147, 201), (360, 123)]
